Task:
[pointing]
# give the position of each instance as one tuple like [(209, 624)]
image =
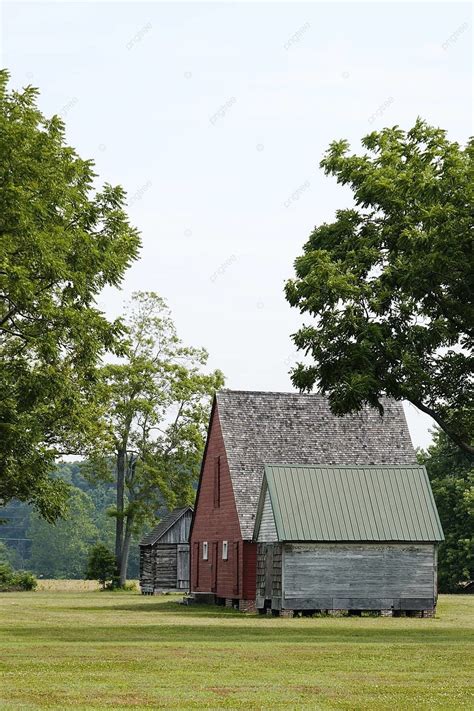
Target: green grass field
[(93, 650)]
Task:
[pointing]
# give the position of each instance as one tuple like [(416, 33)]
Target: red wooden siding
[(249, 571), (215, 521)]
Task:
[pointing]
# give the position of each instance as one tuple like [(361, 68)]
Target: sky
[(214, 118)]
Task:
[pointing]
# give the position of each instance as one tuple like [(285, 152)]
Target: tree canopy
[(451, 473), (61, 243), (158, 406), (388, 284)]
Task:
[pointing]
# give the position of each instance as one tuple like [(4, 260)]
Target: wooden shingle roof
[(293, 428), (351, 503), (165, 524)]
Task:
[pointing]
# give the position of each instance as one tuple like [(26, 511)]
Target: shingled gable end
[(248, 430)]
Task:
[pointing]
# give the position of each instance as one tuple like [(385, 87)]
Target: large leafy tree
[(451, 472), (159, 400), (61, 243), (388, 284)]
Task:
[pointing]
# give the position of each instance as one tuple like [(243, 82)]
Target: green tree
[(7, 555), (59, 550), (159, 403), (451, 473), (100, 565), (388, 284), (61, 243)]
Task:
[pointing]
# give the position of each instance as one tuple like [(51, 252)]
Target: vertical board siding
[(183, 566), (179, 532), (216, 523), (351, 575), (249, 570), (267, 531), (261, 570)]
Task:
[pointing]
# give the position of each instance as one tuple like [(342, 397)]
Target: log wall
[(166, 567)]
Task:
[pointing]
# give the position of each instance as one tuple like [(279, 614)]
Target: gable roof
[(164, 526), (264, 427), (364, 503)]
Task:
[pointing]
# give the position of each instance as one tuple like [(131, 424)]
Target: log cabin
[(164, 554), (249, 429), (351, 538)]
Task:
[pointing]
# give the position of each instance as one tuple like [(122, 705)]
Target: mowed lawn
[(94, 650)]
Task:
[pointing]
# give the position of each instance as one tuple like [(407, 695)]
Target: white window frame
[(225, 550), (205, 550)]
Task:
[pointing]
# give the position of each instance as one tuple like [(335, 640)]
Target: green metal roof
[(351, 503)]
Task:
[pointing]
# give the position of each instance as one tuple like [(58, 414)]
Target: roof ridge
[(297, 465), (268, 392)]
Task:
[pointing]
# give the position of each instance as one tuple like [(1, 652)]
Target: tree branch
[(465, 446)]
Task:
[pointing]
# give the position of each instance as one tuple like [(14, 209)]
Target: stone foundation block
[(247, 606)]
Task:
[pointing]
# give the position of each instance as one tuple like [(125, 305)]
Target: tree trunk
[(121, 463), (126, 550)]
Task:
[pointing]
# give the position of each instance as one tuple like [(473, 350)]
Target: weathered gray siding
[(267, 530), (166, 567), (269, 569), (359, 576), (183, 567), (164, 563), (179, 532)]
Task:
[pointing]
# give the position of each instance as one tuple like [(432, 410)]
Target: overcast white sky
[(214, 118)]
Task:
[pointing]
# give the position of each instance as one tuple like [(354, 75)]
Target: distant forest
[(60, 550)]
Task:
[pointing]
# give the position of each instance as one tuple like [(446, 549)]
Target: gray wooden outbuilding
[(164, 554), (357, 538)]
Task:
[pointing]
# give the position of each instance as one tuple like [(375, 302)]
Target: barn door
[(182, 582), (214, 566)]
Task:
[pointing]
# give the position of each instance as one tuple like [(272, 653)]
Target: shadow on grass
[(170, 606), (244, 634)]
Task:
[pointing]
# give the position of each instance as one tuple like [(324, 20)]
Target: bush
[(25, 580), (130, 586), (101, 565), (11, 580)]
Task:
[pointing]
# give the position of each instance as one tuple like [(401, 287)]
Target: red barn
[(250, 429)]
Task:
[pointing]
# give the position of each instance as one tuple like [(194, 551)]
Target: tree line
[(61, 550)]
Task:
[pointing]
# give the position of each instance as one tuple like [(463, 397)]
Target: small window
[(225, 550), (205, 551)]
